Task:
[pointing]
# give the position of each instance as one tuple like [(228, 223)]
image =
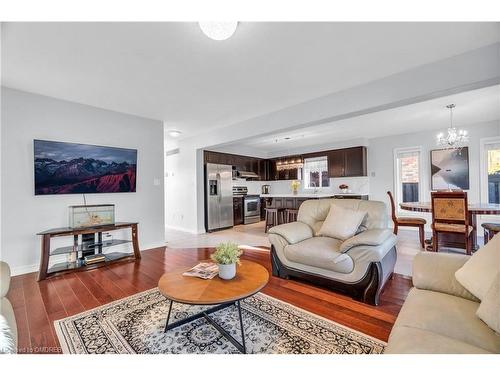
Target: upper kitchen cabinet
[(240, 162), (347, 162)]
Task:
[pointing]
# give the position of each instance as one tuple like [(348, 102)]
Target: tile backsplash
[(359, 185)]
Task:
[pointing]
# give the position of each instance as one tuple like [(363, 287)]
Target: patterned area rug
[(135, 325)]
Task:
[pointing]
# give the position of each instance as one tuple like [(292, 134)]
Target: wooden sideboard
[(86, 241)]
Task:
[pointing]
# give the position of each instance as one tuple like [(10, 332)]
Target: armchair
[(359, 266)]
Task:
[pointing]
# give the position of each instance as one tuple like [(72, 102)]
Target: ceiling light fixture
[(218, 30), (174, 133), (294, 162), (454, 138)]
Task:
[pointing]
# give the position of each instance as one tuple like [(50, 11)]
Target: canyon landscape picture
[(72, 168)]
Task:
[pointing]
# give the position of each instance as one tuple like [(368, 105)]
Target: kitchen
[(239, 188)]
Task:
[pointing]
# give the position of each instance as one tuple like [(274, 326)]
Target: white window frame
[(483, 142), (397, 177), (304, 174)]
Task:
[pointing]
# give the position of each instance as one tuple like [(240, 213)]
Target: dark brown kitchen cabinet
[(240, 162), (347, 162), (355, 162), (336, 163), (287, 174), (238, 210)]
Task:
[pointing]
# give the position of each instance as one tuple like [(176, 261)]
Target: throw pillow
[(489, 309), (477, 274), (341, 223), (7, 345)]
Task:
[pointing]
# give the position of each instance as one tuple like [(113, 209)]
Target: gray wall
[(26, 117)]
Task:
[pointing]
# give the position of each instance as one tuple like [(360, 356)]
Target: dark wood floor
[(38, 304)]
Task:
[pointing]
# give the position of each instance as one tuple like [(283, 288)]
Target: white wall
[(26, 117)]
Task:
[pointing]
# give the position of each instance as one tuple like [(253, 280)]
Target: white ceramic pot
[(227, 271)]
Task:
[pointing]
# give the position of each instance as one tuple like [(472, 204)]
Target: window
[(316, 172), (407, 179), (490, 170)]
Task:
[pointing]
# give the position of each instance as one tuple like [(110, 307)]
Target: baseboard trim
[(181, 229), (21, 270)]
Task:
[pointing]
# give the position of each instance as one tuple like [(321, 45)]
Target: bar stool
[(490, 229), (291, 215), (274, 216)]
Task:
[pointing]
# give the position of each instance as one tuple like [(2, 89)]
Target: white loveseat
[(358, 266), (8, 327)]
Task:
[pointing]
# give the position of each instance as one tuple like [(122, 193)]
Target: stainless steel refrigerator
[(218, 196)]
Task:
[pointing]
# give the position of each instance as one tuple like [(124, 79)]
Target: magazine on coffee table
[(203, 271)]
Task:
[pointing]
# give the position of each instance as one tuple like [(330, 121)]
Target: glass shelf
[(87, 247), (65, 266)]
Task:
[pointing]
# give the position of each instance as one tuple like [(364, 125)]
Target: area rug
[(135, 325)]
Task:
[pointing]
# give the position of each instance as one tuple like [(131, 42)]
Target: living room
[(251, 187)]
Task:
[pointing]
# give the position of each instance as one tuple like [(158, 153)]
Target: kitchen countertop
[(309, 195)]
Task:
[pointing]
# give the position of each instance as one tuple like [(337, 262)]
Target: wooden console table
[(89, 245)]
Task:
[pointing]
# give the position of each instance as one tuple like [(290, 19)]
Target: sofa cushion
[(341, 223), (449, 316), (489, 309), (321, 252), (409, 340), (314, 211), (478, 273)]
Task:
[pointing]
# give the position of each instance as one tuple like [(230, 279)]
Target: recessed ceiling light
[(218, 30), (174, 133)]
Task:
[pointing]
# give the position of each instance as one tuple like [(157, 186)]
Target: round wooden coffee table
[(250, 278)]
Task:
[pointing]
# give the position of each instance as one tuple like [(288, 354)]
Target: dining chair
[(490, 229), (450, 214), (407, 221)]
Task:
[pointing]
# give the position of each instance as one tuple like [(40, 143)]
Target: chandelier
[(292, 163), (455, 138)]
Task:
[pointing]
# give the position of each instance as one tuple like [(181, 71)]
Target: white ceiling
[(473, 107), (172, 72)]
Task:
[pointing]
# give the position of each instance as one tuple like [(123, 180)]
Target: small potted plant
[(226, 255), (344, 188), (295, 186)]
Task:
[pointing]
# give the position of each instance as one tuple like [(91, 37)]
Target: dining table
[(475, 209)]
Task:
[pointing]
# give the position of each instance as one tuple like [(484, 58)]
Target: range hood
[(247, 175)]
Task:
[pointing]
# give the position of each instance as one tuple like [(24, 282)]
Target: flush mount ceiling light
[(174, 133), (218, 30), (454, 138)]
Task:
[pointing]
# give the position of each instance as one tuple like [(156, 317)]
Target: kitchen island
[(289, 200)]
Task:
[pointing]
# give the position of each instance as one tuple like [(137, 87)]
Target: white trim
[(182, 229), (483, 166), (21, 270), (483, 177), (396, 178)]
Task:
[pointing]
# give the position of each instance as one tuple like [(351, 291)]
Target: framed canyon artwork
[(73, 168), (450, 169)]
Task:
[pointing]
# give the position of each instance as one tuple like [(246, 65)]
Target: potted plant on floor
[(226, 256)]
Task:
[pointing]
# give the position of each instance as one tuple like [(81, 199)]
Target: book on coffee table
[(203, 271)]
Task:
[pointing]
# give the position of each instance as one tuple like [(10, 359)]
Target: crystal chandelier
[(293, 163), (455, 138)]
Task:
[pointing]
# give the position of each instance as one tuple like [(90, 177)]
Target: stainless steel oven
[(251, 209)]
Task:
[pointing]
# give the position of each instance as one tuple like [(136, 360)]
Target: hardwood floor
[(38, 304)]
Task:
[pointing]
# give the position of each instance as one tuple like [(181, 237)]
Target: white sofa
[(8, 333), (439, 314), (358, 266)]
